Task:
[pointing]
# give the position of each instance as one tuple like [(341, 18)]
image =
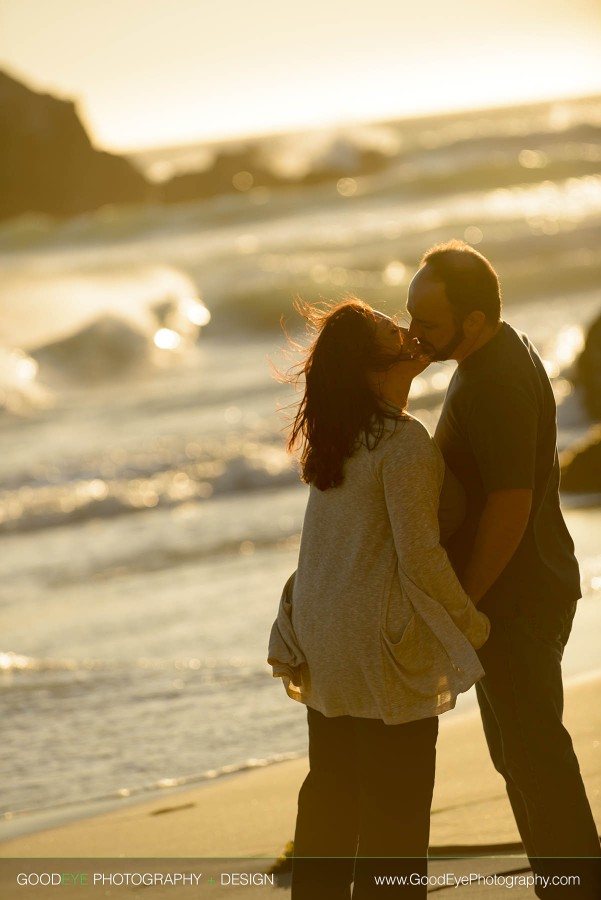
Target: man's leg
[(327, 819), (523, 690), (396, 766), (492, 732)]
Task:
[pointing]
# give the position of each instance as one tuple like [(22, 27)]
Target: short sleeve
[(502, 431)]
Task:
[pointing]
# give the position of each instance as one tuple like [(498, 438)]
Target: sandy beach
[(247, 819)]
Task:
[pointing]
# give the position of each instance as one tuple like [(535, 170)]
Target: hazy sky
[(152, 72)]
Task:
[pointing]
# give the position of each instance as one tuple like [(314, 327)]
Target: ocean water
[(148, 511)]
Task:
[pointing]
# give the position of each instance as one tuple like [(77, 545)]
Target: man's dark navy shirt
[(498, 430)]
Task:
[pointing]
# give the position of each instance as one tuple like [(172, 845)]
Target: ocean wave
[(229, 469), (177, 470), (155, 788), (104, 325), (213, 668), (543, 238), (111, 347)]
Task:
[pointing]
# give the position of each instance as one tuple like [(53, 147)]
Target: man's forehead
[(427, 296)]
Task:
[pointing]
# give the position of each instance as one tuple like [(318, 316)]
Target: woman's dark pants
[(364, 808)]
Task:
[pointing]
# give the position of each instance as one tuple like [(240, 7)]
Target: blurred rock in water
[(245, 168), (589, 370), (581, 464), (48, 163)]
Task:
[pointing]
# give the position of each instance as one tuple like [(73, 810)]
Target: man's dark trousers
[(521, 702)]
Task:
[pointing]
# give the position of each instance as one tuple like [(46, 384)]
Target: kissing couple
[(426, 565)]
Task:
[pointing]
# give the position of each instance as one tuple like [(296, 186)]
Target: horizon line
[(410, 118), (268, 132)]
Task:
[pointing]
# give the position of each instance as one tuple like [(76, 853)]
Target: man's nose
[(414, 331)]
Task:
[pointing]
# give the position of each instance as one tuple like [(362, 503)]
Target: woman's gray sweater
[(375, 623)]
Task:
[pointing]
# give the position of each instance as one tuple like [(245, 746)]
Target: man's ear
[(474, 322)]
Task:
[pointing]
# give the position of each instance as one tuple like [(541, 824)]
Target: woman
[(374, 634)]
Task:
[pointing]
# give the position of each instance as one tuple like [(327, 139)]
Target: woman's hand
[(416, 359), (407, 360)]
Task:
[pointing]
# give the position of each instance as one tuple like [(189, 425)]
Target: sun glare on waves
[(167, 339), (196, 312)]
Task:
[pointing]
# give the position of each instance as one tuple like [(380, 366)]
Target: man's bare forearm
[(500, 531)]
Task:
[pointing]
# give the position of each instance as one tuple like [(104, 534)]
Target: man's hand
[(500, 530)]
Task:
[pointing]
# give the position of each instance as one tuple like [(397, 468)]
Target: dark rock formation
[(220, 178), (244, 168), (589, 370), (581, 465), (48, 163)]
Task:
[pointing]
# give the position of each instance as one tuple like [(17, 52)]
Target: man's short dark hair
[(469, 280)]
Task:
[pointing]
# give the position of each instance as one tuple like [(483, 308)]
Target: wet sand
[(247, 819)]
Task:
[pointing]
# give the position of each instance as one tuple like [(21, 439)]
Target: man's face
[(433, 321)]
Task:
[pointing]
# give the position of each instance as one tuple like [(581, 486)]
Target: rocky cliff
[(48, 163)]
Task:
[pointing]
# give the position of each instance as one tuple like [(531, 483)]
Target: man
[(513, 553)]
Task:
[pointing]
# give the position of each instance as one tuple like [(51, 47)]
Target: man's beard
[(447, 351)]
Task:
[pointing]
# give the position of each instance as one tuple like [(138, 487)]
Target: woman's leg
[(396, 766), (325, 841)]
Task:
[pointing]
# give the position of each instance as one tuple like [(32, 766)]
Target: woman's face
[(404, 351), (389, 336)]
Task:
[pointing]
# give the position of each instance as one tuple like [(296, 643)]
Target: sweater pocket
[(417, 671), (397, 611), (416, 652)]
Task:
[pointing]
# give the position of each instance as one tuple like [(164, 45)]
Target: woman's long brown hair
[(338, 406)]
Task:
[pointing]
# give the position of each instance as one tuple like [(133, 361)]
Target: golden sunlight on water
[(566, 347), (167, 339), (570, 342)]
